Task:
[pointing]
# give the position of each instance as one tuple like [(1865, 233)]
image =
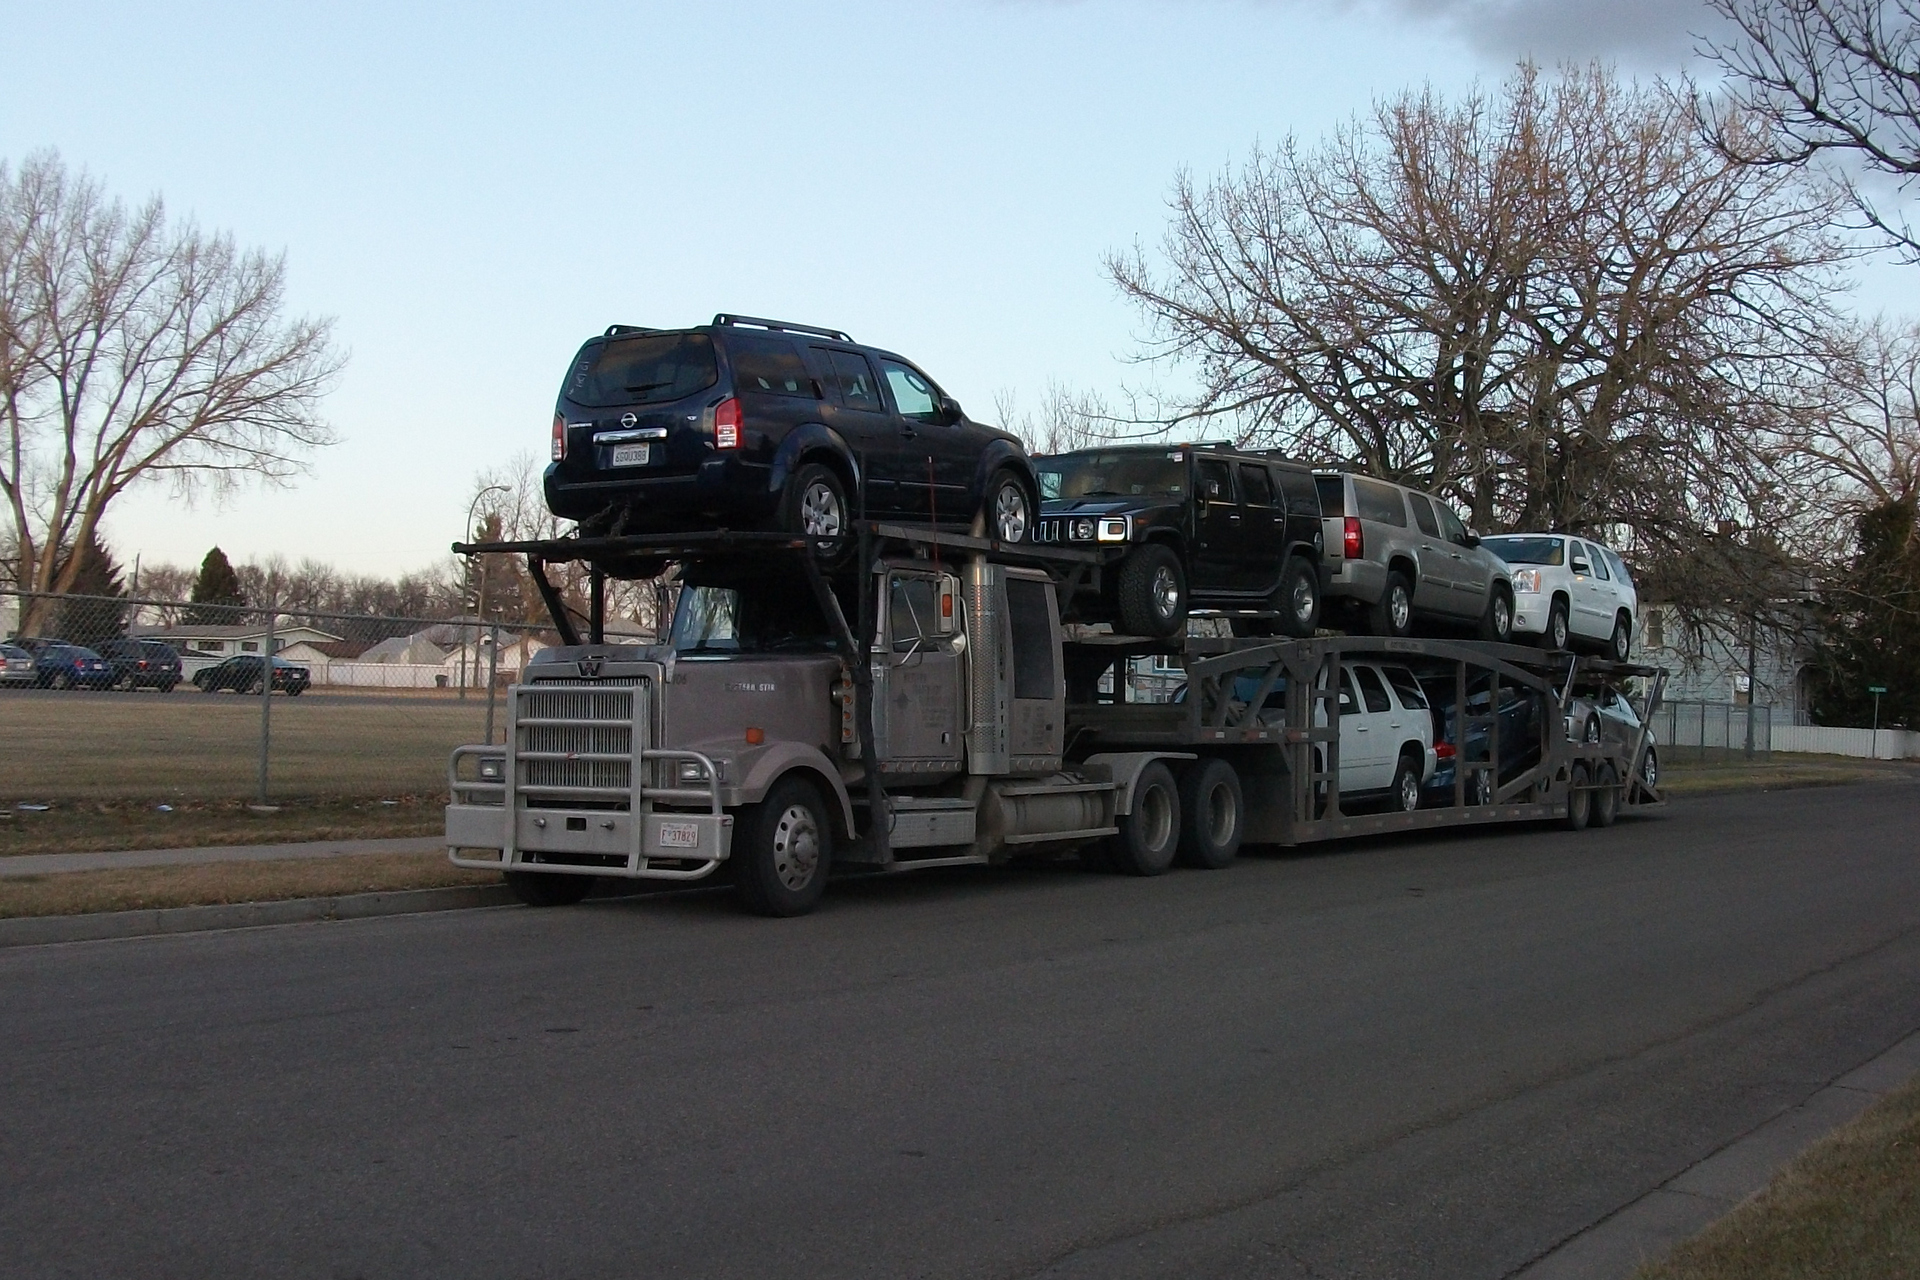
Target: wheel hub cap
[(820, 512), (1302, 601), (796, 847), (1401, 608), (1010, 513), (1166, 592)]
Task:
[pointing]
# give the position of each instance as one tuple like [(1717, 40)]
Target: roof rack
[(781, 326), (615, 330)]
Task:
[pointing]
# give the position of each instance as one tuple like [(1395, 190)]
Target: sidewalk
[(40, 864)]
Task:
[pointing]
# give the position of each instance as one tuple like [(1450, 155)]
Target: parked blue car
[(70, 666)]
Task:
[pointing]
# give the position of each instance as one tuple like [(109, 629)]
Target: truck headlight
[(1527, 580), (1113, 529), (493, 768), (1081, 530), (692, 771)]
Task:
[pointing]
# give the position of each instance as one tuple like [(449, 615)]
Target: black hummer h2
[(1186, 526)]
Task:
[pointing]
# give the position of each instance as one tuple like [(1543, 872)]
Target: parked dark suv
[(1189, 527), (747, 423), (142, 664), (241, 674)]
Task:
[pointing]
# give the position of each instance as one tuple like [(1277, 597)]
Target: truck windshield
[(1112, 475), (643, 370), (1513, 550), (766, 619)]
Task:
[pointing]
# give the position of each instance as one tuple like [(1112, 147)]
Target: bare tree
[(1066, 420), (133, 351), (1833, 81), (1553, 303)]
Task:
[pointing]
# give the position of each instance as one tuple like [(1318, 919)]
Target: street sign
[(1876, 688)]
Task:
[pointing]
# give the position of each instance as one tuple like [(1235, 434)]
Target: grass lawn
[(74, 892), (1847, 1209), (83, 826), (188, 745), (1681, 776)]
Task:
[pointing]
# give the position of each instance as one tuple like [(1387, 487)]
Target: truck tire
[(782, 851), (1008, 509), (1150, 835), (1213, 814), (1579, 799), (1392, 613), (548, 888), (815, 506), (1606, 796), (1153, 593), (1298, 599)]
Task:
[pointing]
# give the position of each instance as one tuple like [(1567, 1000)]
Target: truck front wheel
[(1150, 835), (547, 888), (782, 850)]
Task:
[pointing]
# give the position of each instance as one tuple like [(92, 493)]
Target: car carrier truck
[(924, 706)]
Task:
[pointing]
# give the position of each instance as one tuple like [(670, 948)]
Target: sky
[(472, 190)]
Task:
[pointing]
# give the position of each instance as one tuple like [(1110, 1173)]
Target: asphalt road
[(1407, 1058)]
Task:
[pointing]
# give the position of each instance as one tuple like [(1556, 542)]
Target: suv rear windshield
[(1513, 550), (645, 369), (1112, 475)]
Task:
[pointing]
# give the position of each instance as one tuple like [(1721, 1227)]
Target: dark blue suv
[(747, 423)]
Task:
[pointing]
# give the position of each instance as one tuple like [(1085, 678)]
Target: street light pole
[(466, 585)]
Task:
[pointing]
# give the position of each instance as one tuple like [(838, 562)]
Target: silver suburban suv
[(1396, 556)]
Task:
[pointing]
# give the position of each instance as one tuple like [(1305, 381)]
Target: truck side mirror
[(950, 411)]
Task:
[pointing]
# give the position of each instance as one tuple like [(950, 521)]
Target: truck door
[(1219, 528), (917, 676), (1264, 545)]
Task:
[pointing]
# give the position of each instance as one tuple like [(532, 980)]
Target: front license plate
[(679, 835), (632, 455)]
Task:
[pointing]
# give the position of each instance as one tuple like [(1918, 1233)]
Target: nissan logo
[(628, 419)]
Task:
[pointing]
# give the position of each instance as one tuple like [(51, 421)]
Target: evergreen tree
[(1872, 625), (92, 612), (217, 597)]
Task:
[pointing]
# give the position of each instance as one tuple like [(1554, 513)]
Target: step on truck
[(926, 707)]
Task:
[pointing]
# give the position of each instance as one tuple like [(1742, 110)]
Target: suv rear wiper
[(646, 386)]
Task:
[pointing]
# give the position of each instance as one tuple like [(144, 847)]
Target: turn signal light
[(726, 424), (756, 736), (1354, 545), (559, 437)]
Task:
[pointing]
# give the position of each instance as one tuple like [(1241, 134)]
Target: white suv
[(1386, 735), (1569, 591)]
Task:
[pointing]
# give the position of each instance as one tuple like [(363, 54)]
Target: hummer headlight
[(1082, 530), (1113, 529), (1526, 580)]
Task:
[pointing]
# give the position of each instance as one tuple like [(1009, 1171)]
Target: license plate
[(631, 455), (679, 835)]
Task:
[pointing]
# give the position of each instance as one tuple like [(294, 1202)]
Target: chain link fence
[(113, 699), (1713, 730)]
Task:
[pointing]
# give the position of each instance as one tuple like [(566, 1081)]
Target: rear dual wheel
[(1149, 835), (1212, 811)]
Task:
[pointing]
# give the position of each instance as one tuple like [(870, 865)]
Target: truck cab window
[(911, 617), (1033, 638)]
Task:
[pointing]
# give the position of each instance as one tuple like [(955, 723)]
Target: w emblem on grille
[(590, 668)]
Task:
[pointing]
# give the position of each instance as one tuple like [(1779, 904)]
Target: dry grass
[(1847, 1209), (73, 893), (1780, 769), (195, 746), (89, 826)]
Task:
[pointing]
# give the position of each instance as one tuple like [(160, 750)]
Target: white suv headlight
[(1527, 580)]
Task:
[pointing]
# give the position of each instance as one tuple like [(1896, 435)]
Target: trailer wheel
[(1150, 835), (782, 851), (547, 888), (1579, 799), (1212, 812), (1153, 593), (1606, 796)]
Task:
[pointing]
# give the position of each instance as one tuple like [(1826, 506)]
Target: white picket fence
[(1887, 744)]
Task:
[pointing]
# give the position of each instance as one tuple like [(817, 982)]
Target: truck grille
[(576, 740)]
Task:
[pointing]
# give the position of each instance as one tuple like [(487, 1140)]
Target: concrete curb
[(32, 931), (1678, 1209)]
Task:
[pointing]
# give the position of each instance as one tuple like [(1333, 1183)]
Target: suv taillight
[(726, 424), (559, 436), (1354, 546)]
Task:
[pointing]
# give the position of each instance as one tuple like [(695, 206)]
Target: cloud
[(1655, 34)]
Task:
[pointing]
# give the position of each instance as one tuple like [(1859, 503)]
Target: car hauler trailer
[(952, 721)]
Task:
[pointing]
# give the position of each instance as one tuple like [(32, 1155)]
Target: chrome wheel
[(1399, 607), (1650, 770), (820, 514), (1302, 602), (1011, 518), (1502, 617), (1166, 592), (1407, 796), (796, 847)]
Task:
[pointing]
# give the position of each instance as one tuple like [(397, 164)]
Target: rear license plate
[(631, 455), (679, 835)]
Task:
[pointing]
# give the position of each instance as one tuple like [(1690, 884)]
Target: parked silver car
[(16, 666), (1396, 556)]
